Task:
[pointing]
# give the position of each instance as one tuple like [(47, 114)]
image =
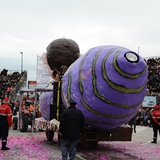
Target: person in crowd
[(138, 117), (146, 118), (16, 107), (11, 104), (71, 126), (5, 122), (150, 117), (132, 123), (156, 122), (142, 117)]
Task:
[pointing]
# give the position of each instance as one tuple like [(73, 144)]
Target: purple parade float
[(108, 83)]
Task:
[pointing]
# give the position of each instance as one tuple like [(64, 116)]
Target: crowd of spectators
[(153, 83), (8, 81), (143, 116)]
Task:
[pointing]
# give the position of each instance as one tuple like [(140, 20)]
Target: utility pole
[(21, 61)]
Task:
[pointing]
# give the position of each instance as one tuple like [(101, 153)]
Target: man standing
[(5, 122), (132, 122), (71, 126), (156, 123)]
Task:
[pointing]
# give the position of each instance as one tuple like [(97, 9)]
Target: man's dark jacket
[(71, 123)]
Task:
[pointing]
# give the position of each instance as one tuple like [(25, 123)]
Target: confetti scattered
[(29, 148)]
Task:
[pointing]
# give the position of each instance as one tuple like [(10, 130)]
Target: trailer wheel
[(49, 135), (15, 123), (24, 123)]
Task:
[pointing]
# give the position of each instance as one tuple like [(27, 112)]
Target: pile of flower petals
[(28, 148)]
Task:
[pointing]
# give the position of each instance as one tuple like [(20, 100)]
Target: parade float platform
[(90, 137)]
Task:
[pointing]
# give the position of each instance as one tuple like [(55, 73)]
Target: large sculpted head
[(61, 52)]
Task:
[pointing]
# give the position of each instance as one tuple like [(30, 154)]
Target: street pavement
[(34, 146)]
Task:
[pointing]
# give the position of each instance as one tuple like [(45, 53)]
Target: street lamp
[(21, 61)]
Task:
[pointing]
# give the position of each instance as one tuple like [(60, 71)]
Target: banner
[(32, 84), (43, 75), (149, 101)]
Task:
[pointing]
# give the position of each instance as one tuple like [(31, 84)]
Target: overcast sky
[(29, 26)]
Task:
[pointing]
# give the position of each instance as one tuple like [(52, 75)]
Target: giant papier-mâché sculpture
[(108, 83)]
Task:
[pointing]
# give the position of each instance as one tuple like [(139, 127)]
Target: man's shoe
[(5, 148), (154, 142)]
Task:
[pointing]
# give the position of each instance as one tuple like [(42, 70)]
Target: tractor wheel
[(49, 135), (15, 123), (24, 123)]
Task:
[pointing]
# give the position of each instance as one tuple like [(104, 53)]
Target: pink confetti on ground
[(125, 150), (37, 148), (28, 148)]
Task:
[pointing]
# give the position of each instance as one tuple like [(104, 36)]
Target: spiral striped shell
[(108, 83)]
